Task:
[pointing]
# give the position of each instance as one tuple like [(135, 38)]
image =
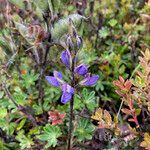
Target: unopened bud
[(70, 43), (79, 42)]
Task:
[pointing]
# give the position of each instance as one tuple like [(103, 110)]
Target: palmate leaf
[(61, 27), (50, 134), (89, 99), (84, 130), (25, 141)]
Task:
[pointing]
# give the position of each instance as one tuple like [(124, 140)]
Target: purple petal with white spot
[(52, 80), (66, 58), (67, 88), (57, 74), (66, 97), (81, 69)]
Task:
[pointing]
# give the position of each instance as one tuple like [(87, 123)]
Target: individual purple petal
[(92, 80), (89, 81), (86, 78), (52, 80), (67, 88), (81, 69), (66, 58), (57, 74), (66, 97)]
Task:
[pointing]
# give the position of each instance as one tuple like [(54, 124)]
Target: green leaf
[(37, 109), (1, 94), (104, 32), (43, 5), (34, 131), (3, 123), (1, 144), (18, 3), (50, 134), (3, 112), (112, 22), (25, 142), (11, 128), (21, 124), (89, 99), (20, 98), (84, 130), (78, 105), (29, 79)]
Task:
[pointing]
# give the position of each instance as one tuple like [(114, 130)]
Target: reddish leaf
[(131, 120), (121, 79), (126, 111), (128, 85)]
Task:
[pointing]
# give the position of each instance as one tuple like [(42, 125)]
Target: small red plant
[(55, 117), (123, 90)]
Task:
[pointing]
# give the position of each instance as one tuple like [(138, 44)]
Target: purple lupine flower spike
[(81, 69), (52, 80), (89, 81), (66, 58)]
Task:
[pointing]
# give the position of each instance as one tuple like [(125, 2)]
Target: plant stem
[(70, 124), (71, 108), (120, 109)]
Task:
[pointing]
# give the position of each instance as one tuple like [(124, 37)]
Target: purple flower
[(81, 69), (67, 90), (89, 80), (52, 80), (66, 58)]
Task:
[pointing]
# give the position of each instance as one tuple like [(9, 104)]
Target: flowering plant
[(69, 59)]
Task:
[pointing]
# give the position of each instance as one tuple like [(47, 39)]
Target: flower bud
[(69, 43), (66, 58), (79, 42)]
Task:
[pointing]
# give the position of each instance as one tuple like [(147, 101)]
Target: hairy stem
[(71, 108)]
